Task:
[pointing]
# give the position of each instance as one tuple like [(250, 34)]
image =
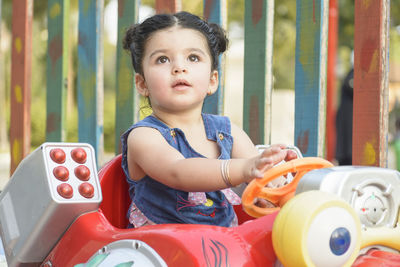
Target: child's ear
[(214, 82), (141, 86)]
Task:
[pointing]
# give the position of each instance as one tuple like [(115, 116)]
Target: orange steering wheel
[(278, 196)]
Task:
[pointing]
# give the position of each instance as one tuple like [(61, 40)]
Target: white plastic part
[(134, 252)]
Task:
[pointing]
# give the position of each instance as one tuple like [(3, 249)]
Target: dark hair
[(137, 35)]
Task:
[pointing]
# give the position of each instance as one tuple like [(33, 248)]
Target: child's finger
[(290, 155), (264, 164), (275, 154)]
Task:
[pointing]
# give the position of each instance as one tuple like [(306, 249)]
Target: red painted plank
[(168, 6), (370, 115), (21, 57), (331, 81)]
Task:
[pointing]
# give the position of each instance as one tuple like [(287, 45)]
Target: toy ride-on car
[(57, 210)]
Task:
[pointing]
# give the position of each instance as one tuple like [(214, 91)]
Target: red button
[(86, 190), (61, 173), (57, 155), (79, 155), (65, 190), (82, 172)]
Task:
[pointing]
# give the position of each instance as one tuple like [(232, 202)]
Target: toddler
[(179, 162)]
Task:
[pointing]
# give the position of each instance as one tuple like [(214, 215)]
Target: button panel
[(72, 172)]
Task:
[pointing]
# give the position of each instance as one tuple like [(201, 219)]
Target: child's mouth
[(180, 84)]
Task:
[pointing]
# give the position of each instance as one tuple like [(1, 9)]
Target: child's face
[(177, 70)]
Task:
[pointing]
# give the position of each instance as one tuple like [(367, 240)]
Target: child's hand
[(267, 159)]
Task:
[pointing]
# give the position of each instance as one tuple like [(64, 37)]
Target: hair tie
[(132, 47)]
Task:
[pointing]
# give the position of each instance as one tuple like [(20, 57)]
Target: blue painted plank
[(90, 74), (310, 76), (215, 12)]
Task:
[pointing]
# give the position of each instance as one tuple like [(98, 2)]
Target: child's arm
[(149, 153)]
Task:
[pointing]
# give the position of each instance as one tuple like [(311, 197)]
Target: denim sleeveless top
[(163, 204)]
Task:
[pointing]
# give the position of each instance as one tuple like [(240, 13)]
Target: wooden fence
[(311, 103)]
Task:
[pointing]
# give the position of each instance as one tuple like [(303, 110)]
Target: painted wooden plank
[(4, 143), (215, 12), (370, 111), (258, 70), (310, 76), (168, 6), (57, 69), (331, 91), (20, 94), (90, 74), (126, 97)]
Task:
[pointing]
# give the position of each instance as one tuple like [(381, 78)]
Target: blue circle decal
[(340, 241)]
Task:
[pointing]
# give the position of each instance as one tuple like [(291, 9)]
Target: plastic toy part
[(125, 253), (385, 236), (316, 229), (375, 258), (65, 190), (374, 193), (61, 173), (278, 196), (44, 197), (57, 155), (82, 173), (79, 155)]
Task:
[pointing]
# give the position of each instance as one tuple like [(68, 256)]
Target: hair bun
[(221, 41)]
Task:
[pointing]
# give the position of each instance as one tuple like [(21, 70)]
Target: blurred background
[(283, 67)]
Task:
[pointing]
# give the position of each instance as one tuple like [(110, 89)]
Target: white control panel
[(373, 192)]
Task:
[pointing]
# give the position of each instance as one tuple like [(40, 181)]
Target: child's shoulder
[(148, 124), (151, 122)]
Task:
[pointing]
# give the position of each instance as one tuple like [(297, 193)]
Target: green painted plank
[(57, 69), (126, 97), (258, 70), (310, 76), (215, 12), (90, 74)]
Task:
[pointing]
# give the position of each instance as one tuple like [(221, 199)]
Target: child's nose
[(179, 68)]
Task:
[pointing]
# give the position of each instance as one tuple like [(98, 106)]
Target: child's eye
[(194, 58), (162, 59)]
